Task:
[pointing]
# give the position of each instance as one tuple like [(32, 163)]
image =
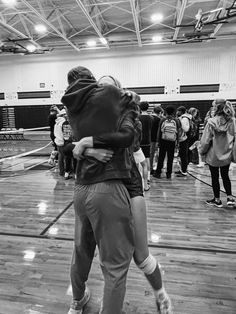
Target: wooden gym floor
[(195, 244)]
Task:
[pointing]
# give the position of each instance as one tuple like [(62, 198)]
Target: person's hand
[(81, 146), (103, 155)]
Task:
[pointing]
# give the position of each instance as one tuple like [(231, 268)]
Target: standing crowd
[(108, 138)]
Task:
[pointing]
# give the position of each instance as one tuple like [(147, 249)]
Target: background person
[(193, 155), (184, 119), (63, 136), (167, 139), (52, 121), (145, 144), (216, 146), (156, 118)]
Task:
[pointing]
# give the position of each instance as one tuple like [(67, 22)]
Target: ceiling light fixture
[(40, 28), (91, 43), (9, 2), (31, 48), (157, 18), (157, 38)]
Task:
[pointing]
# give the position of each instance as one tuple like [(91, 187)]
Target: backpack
[(192, 132), (169, 130)]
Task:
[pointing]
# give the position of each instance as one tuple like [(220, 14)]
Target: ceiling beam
[(222, 4), (135, 13), (19, 34), (42, 18), (180, 15), (86, 13)]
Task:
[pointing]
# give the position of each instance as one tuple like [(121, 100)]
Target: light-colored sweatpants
[(103, 217)]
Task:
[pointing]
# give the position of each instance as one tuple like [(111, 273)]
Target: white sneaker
[(230, 201), (163, 302), (66, 175), (76, 307), (200, 165)]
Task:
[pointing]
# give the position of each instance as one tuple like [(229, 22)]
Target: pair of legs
[(103, 218), (224, 171), (141, 160), (64, 161), (141, 252), (146, 177), (144, 260), (193, 155), (153, 151), (166, 147), (183, 155)]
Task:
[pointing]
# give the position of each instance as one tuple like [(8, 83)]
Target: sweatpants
[(103, 218)]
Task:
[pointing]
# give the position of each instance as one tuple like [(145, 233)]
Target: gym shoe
[(213, 202), (230, 201), (163, 302), (177, 172), (67, 175), (181, 174), (76, 307)]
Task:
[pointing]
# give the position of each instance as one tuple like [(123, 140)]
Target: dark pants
[(193, 155), (103, 218), (165, 147), (224, 172), (64, 161), (183, 155)]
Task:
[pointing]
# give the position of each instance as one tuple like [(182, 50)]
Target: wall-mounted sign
[(42, 85)]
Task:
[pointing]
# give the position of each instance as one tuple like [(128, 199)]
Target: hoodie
[(185, 125), (217, 141), (94, 110)]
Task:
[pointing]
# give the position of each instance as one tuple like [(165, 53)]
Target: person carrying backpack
[(184, 119), (167, 139)]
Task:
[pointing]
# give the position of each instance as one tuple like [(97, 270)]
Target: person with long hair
[(216, 146), (193, 155)]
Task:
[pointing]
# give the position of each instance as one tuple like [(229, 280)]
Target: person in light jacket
[(216, 147)]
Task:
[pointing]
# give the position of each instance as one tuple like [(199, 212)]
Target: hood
[(77, 93), (219, 124), (60, 120), (187, 115)]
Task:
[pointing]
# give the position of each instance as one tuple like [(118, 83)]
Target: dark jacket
[(94, 110)]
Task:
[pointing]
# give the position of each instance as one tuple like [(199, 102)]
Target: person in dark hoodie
[(102, 203), (216, 146), (142, 257)]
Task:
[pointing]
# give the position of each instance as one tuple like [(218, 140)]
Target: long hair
[(108, 79), (194, 113), (223, 108)]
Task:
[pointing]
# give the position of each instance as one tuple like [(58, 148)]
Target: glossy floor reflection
[(194, 244)]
